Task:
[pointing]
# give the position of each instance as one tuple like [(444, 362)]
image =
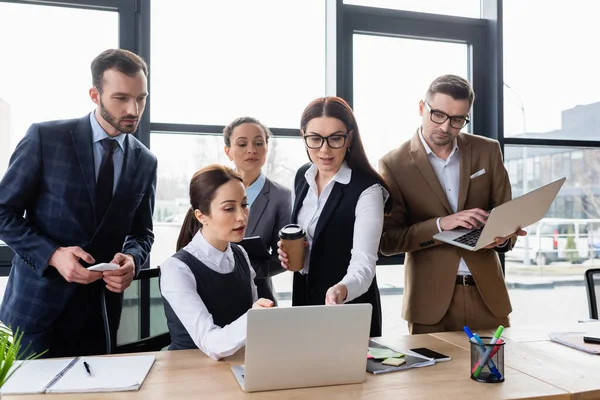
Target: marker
[(486, 356), (492, 354), (475, 339)]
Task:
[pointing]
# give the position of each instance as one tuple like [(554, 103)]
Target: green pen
[(486, 355)]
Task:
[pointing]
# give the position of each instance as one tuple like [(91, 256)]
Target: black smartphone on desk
[(591, 339), (425, 352)]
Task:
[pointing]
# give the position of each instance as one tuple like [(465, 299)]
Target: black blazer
[(51, 178), (269, 213), (332, 245)]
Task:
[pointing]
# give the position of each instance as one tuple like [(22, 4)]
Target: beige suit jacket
[(418, 200)]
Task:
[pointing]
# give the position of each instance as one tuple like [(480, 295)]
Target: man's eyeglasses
[(334, 141), (439, 117)]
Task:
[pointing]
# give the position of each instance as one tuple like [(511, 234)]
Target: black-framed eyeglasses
[(314, 141), (439, 117)]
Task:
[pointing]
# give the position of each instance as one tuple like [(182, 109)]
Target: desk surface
[(530, 351), (189, 374)]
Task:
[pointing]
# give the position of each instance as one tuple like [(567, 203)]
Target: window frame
[(133, 26)]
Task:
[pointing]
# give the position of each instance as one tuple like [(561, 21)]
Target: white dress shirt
[(448, 174), (178, 286), (368, 225)]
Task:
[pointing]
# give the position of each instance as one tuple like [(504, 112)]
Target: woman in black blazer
[(246, 144), (340, 202)]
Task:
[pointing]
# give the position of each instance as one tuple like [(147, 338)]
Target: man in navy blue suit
[(79, 192)]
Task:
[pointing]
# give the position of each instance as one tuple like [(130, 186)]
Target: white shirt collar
[(211, 252), (343, 175), (428, 149)]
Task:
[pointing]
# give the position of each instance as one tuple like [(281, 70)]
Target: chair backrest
[(143, 324), (592, 283)]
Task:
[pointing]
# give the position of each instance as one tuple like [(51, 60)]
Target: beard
[(117, 123), (441, 138)]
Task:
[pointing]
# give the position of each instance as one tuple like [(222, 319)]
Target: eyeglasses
[(334, 141), (439, 117)]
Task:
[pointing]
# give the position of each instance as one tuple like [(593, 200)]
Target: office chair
[(592, 283), (143, 324)]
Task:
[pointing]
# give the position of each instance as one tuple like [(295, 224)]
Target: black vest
[(332, 244), (226, 296)]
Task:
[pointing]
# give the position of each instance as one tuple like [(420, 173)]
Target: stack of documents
[(106, 374)]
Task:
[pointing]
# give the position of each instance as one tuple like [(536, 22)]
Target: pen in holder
[(487, 360)]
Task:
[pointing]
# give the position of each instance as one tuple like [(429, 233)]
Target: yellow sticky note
[(394, 361)]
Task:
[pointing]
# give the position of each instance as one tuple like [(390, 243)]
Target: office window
[(551, 90), (180, 156), (545, 269), (391, 76), (45, 68), (218, 60), (460, 8)]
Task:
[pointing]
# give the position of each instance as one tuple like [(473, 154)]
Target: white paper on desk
[(108, 374), (574, 340), (33, 376)]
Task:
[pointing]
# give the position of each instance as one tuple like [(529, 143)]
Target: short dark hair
[(203, 189), (122, 60), (452, 85), (228, 131)]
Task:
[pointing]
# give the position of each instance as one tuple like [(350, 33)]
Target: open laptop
[(305, 346), (505, 219)]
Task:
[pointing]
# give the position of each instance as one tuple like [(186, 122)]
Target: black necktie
[(106, 177)]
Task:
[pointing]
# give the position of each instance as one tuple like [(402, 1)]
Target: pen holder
[(491, 371)]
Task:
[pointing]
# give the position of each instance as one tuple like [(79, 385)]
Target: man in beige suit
[(442, 179)]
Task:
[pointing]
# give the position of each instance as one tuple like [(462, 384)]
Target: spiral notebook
[(107, 374)]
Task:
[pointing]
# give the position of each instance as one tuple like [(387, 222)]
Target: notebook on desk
[(412, 360), (107, 374), (575, 340)]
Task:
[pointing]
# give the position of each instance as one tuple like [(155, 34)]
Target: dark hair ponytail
[(203, 187), (190, 226)]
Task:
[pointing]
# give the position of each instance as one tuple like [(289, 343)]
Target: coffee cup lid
[(291, 231)]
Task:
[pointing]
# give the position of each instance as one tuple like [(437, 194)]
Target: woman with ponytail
[(208, 284)]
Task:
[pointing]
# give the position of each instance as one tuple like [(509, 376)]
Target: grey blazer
[(269, 213)]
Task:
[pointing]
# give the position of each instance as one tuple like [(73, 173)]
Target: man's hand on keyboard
[(499, 241), (470, 219)]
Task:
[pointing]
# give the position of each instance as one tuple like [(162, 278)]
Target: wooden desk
[(190, 374), (572, 370), (524, 334)]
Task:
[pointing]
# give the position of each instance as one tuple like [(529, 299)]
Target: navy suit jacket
[(47, 200)]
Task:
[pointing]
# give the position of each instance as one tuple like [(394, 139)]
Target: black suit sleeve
[(18, 192), (139, 241)]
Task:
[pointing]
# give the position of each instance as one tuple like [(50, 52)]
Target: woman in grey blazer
[(246, 144)]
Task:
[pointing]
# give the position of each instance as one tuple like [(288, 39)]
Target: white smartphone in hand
[(104, 267)]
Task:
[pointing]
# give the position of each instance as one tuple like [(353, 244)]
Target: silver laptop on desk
[(505, 219), (305, 346)]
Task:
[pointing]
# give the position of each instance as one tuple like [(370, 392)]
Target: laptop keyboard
[(471, 238)]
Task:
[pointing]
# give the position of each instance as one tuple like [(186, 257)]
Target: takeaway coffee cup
[(292, 242)]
